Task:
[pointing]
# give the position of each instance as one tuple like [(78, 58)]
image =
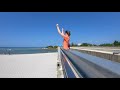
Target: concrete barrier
[(101, 54)]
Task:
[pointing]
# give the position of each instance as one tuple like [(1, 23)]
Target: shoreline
[(11, 51), (27, 54)]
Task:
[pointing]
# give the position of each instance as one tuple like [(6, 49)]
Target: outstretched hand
[(62, 34), (57, 25)]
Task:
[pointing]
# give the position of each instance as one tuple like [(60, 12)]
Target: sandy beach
[(42, 65)]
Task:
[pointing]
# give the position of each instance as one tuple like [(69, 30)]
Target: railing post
[(59, 65)]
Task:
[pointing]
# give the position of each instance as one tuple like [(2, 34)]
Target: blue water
[(24, 50)]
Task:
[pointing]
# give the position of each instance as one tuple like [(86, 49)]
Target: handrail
[(68, 68), (75, 66)]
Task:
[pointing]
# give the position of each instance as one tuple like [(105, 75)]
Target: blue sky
[(36, 29)]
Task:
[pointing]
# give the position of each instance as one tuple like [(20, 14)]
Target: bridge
[(76, 64)]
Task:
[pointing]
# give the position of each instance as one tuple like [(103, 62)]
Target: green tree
[(73, 44), (106, 44), (86, 44), (49, 46), (55, 46), (116, 43)]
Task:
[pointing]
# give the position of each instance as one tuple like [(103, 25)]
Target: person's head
[(67, 32)]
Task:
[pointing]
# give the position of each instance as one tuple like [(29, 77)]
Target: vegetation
[(86, 44), (52, 47), (73, 44), (115, 44), (106, 44)]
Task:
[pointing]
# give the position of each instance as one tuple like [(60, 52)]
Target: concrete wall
[(104, 55)]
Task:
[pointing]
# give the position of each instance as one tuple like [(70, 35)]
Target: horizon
[(38, 29), (61, 46)]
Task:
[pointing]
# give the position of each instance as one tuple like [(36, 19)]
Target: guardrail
[(69, 70), (74, 66)]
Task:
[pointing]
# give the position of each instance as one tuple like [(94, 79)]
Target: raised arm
[(63, 31), (62, 34)]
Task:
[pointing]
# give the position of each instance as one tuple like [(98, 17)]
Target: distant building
[(79, 44)]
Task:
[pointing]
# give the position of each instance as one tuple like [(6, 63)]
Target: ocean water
[(25, 50)]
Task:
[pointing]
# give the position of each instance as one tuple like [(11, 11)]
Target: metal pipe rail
[(69, 70), (75, 66)]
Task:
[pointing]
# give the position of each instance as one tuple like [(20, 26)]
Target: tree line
[(114, 44), (52, 47)]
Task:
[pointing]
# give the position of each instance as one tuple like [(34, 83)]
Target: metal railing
[(74, 66), (69, 70)]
